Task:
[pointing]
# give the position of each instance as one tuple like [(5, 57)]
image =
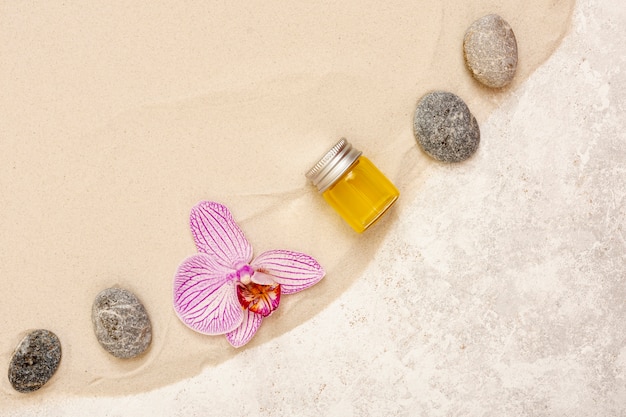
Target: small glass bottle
[(353, 186)]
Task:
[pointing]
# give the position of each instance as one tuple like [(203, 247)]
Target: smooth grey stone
[(490, 51), (121, 323), (445, 128), (35, 360)]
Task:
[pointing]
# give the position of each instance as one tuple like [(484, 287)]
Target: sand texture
[(115, 120)]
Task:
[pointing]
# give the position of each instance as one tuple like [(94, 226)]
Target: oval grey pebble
[(121, 323), (445, 128), (35, 360), (490, 51)]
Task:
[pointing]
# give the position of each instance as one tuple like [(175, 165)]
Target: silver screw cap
[(333, 165)]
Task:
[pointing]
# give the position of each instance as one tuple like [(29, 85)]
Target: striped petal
[(205, 297), (242, 334), (217, 234), (294, 271)]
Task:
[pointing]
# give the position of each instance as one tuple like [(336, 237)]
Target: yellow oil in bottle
[(352, 185), (362, 194)]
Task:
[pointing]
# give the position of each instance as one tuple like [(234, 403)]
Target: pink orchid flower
[(220, 291)]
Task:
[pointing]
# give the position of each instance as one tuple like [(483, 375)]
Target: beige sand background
[(115, 120)]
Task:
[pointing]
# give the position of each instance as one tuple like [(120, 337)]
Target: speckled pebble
[(445, 128), (35, 360), (490, 51), (121, 323)]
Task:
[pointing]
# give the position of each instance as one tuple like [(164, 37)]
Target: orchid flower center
[(260, 299), (245, 274)]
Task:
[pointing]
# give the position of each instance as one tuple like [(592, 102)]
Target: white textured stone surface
[(500, 291)]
